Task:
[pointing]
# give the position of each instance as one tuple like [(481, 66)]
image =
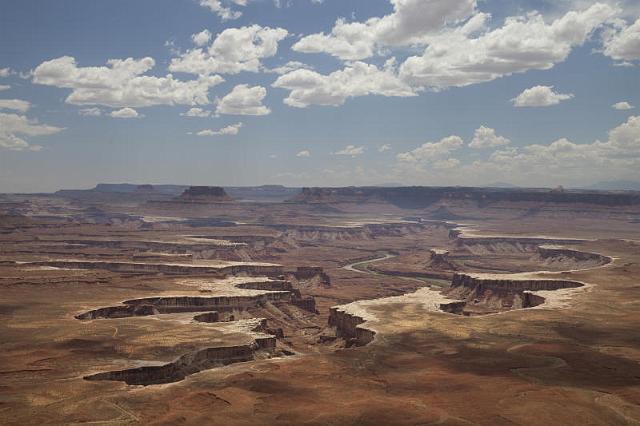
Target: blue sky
[(428, 92)]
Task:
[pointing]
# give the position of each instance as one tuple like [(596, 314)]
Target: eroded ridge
[(219, 268), (257, 294), (358, 325), (491, 293), (240, 302), (261, 346)]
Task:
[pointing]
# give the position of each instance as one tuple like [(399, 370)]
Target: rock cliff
[(205, 194)]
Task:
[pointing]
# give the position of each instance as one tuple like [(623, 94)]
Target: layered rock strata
[(486, 293)]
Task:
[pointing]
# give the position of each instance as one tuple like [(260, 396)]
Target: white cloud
[(357, 79), (122, 83), (234, 50), (224, 12), (622, 106), (5, 72), (564, 161), (410, 22), (125, 113), (15, 105), (201, 38), (384, 148), (304, 154), (485, 137), (243, 100), (196, 112), (90, 112), (232, 129), (433, 154), (288, 67), (561, 162), (623, 44), (13, 127), (4, 87), (472, 53), (351, 151), (540, 96)]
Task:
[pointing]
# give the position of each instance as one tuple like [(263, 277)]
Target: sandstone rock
[(205, 194)]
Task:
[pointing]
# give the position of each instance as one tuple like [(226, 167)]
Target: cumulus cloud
[(357, 79), (540, 96), (13, 127), (125, 113), (304, 154), (202, 38), (462, 52), (122, 83), (473, 53), (433, 154), (623, 43), (196, 112), (288, 67), (244, 100), (224, 12), (384, 148), (5, 72), (232, 129), (622, 106), (15, 105), (562, 162), (90, 112), (566, 161), (234, 50), (351, 151), (485, 137), (409, 23)]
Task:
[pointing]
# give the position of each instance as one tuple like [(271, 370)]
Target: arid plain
[(270, 305)]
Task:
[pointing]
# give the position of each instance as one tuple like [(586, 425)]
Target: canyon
[(173, 304)]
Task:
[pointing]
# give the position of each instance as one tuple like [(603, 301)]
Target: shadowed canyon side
[(205, 194), (356, 293)]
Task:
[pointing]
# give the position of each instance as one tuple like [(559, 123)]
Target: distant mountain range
[(616, 185)]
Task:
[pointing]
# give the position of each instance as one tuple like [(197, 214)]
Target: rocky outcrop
[(504, 244), (209, 317), (205, 194), (263, 346), (120, 312), (346, 233), (421, 197), (439, 259), (275, 285), (306, 303), (221, 270), (166, 305), (145, 190), (188, 364), (552, 252), (453, 307), (306, 273), (486, 293), (348, 327), (496, 282)]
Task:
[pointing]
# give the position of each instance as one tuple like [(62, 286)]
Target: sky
[(318, 92)]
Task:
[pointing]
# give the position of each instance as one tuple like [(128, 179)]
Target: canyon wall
[(347, 327), (421, 197)]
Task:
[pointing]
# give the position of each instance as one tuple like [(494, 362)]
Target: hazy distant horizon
[(598, 186)]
